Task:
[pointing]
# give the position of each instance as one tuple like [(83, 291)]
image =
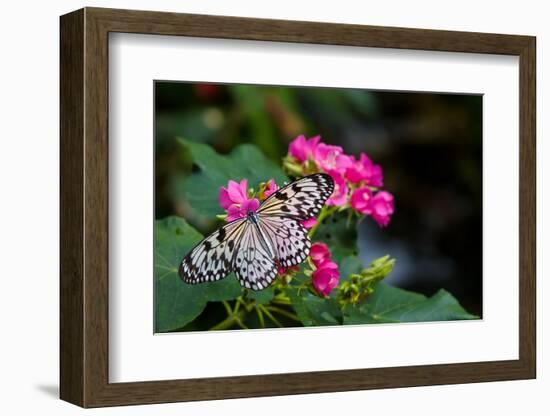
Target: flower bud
[(360, 285)]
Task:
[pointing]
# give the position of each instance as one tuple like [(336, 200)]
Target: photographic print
[(279, 207), (353, 179)]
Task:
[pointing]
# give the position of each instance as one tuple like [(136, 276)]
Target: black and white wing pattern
[(254, 248), (212, 258), (301, 199), (281, 214), (288, 238), (253, 264)]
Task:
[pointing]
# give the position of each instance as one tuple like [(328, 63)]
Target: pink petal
[(235, 192), (312, 144), (361, 200), (325, 278), (243, 188), (309, 223), (271, 187), (340, 194), (382, 208), (225, 200), (234, 213), (319, 254), (298, 148), (372, 173), (250, 205), (343, 162)]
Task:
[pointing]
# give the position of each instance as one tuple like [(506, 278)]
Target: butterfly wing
[(212, 259), (301, 199), (281, 214), (288, 238), (235, 247), (253, 264), (244, 247)]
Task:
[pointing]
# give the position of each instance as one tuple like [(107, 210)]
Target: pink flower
[(325, 278), (301, 148), (237, 211), (382, 208), (266, 190), (361, 200), (364, 170), (271, 187), (319, 254), (309, 223), (235, 200), (235, 193), (339, 196), (286, 270), (331, 158)]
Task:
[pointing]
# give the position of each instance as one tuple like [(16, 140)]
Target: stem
[(325, 212), (348, 222), (237, 305), (233, 316), (270, 316), (283, 312), (227, 308), (240, 323), (260, 317), (282, 301), (229, 322)]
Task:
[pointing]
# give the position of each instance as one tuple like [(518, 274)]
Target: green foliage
[(359, 299), (389, 304), (258, 119), (361, 284), (200, 189), (177, 303), (313, 310), (175, 124), (263, 296), (339, 234)]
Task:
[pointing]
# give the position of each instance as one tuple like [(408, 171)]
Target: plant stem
[(227, 308), (325, 212), (281, 301), (281, 311), (240, 323), (237, 304), (270, 316), (260, 317), (230, 321), (234, 316)]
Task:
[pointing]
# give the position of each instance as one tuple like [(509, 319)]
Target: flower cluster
[(326, 275), (357, 181), (357, 186)]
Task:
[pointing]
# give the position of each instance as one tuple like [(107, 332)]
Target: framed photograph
[(256, 207)]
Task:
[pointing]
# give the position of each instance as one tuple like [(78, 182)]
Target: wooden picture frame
[(84, 207)]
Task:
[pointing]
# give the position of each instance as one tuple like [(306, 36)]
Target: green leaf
[(178, 303), (349, 265), (262, 296), (313, 310), (200, 190), (392, 305), (256, 117), (168, 126), (339, 234)]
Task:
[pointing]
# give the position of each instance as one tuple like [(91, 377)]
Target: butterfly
[(254, 247)]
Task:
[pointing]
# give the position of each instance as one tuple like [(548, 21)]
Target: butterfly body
[(253, 218), (255, 246)]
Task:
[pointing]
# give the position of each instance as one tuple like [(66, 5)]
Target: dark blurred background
[(429, 146)]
